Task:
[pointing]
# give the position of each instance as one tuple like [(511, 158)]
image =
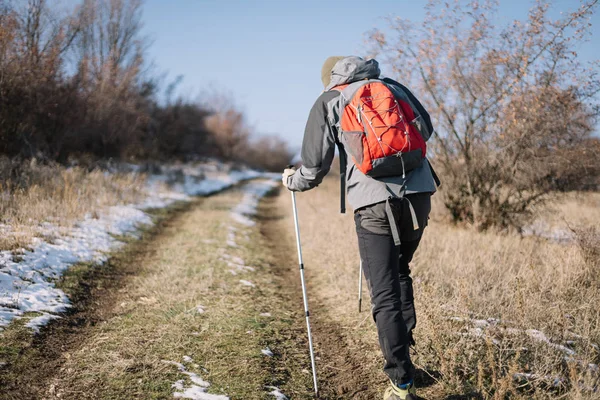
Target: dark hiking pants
[(386, 268)]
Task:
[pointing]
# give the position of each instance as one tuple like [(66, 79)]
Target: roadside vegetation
[(78, 97), (500, 315), (34, 195), (513, 104), (76, 83)]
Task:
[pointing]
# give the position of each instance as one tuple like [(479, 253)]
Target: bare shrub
[(508, 101), (228, 126), (110, 51), (35, 104), (579, 168), (268, 152), (178, 131), (234, 139), (74, 84)]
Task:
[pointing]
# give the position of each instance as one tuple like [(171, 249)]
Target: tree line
[(74, 82)]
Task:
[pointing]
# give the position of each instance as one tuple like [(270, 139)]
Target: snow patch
[(541, 337), (543, 230), (253, 192), (198, 393), (275, 391), (200, 309), (27, 284), (231, 237), (267, 352), (197, 390), (247, 283), (178, 385), (27, 280), (237, 264), (554, 381), (480, 330), (37, 322), (233, 259)]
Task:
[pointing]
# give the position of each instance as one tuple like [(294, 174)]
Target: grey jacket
[(321, 137)]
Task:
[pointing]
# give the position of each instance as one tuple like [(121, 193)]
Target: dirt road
[(207, 306)]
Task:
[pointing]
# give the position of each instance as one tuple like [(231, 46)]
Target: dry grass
[(483, 301), (462, 278), (32, 195)]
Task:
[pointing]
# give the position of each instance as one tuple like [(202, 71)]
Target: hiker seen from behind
[(381, 130)]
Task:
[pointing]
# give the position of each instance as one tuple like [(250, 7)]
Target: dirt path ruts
[(93, 291), (341, 368)]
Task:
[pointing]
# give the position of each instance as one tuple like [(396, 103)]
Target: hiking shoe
[(407, 392)]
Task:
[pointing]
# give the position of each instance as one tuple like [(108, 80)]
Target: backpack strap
[(343, 166), (392, 222), (347, 91)]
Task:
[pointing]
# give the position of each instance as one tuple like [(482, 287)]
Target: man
[(390, 214)]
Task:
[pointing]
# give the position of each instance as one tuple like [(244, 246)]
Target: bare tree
[(33, 39), (111, 45), (507, 100), (110, 51)]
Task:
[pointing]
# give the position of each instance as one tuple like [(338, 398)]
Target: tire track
[(344, 370)]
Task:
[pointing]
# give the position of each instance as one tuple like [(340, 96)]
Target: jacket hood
[(352, 69)]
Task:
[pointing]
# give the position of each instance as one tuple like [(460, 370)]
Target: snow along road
[(27, 276)]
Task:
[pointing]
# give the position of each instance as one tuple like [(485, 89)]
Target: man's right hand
[(286, 174)]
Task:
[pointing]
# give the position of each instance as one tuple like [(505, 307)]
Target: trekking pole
[(304, 297), (360, 274)]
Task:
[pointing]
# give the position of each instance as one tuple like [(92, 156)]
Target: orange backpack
[(380, 128)]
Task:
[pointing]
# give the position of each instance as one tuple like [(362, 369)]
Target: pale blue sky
[(267, 54)]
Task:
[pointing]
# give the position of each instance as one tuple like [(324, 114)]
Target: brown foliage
[(509, 102), (233, 140), (72, 82), (269, 152)]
